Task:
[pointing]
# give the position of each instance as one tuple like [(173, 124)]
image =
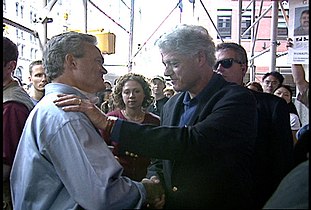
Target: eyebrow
[(170, 62)]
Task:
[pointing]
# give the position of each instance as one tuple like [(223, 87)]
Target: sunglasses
[(226, 63)]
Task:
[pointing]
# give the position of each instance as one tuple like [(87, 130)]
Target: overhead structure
[(43, 19)]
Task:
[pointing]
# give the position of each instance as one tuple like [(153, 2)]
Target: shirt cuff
[(142, 191)]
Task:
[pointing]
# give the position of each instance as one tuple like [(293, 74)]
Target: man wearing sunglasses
[(273, 146)]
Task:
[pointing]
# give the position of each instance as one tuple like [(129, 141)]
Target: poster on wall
[(298, 31)]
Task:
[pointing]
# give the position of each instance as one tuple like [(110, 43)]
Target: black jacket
[(273, 148), (208, 164)]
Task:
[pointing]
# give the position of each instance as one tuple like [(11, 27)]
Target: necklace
[(135, 119)]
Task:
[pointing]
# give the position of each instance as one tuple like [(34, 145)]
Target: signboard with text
[(298, 31)]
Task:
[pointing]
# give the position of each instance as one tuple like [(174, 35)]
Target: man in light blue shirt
[(62, 162)]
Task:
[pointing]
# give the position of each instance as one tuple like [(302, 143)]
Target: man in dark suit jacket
[(274, 143), (205, 144)]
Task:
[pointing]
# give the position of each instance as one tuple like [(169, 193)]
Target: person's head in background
[(10, 55), (157, 87), (188, 54), (285, 92), (74, 59), (231, 62), (132, 91), (108, 84), (271, 80), (254, 86), (169, 92), (37, 77)]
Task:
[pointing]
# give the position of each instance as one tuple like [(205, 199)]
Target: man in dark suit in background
[(206, 141), (274, 144)]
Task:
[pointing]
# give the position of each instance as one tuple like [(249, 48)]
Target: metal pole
[(259, 54), (44, 26), (284, 13), (131, 36), (141, 47), (211, 21), (258, 19), (85, 15), (254, 38), (274, 35), (239, 21), (252, 72)]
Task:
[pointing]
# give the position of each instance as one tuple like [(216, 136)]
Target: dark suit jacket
[(274, 146), (207, 165)]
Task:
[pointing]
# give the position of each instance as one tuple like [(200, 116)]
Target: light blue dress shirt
[(63, 163)]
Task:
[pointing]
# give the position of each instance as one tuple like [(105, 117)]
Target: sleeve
[(199, 139), (294, 122), (14, 117), (304, 97), (155, 169), (90, 172), (282, 145)]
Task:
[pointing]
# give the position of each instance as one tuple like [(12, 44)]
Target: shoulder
[(235, 92), (15, 105), (152, 118), (268, 98), (17, 94), (165, 99), (116, 113)]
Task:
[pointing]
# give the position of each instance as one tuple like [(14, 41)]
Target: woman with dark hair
[(131, 96), (285, 92), (254, 86)]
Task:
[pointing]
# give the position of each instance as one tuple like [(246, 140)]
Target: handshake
[(155, 193)]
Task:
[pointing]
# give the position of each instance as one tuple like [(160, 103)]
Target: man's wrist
[(110, 121)]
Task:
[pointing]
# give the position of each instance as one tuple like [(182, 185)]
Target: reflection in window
[(245, 24), (224, 26)]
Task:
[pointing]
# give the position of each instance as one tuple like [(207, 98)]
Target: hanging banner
[(298, 31)]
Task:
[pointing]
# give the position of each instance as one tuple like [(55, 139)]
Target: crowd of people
[(205, 140)]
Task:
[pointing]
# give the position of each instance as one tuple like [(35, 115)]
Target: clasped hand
[(155, 193)]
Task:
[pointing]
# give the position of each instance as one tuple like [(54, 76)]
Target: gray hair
[(188, 40), (59, 46)]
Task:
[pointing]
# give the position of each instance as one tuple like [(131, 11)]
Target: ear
[(11, 66), (201, 58), (244, 69), (70, 61)]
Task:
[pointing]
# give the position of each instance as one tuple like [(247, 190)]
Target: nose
[(44, 78), (131, 95), (168, 71), (105, 70)]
